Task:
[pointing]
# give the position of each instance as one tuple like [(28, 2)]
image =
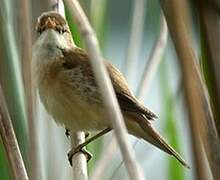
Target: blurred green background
[(112, 22)]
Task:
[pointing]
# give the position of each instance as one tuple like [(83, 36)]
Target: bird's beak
[(50, 24)]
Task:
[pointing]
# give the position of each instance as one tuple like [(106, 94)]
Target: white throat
[(47, 51)]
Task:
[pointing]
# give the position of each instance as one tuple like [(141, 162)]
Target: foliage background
[(112, 23)]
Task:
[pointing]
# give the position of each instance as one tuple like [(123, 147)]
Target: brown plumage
[(69, 92), (78, 57)]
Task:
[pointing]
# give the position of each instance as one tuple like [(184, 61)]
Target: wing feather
[(127, 101)]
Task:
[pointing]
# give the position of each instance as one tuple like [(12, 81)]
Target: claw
[(78, 149), (81, 147)]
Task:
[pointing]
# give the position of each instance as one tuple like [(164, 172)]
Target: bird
[(68, 90)]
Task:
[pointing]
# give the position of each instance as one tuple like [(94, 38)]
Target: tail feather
[(156, 139)]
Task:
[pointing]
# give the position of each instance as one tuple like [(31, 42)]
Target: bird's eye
[(61, 30), (64, 30)]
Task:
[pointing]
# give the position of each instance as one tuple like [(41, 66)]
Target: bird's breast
[(68, 95), (72, 100)]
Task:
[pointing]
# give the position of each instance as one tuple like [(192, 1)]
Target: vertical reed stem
[(10, 142)]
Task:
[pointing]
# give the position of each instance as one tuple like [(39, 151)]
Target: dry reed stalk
[(26, 54), (10, 142), (210, 28), (154, 60), (201, 120), (79, 161), (135, 39), (149, 72), (107, 91)]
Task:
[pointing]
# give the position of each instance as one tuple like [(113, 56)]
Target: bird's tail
[(153, 137)]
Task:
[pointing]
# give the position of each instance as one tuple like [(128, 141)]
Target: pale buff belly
[(72, 111)]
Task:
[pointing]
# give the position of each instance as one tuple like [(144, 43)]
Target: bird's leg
[(80, 148)]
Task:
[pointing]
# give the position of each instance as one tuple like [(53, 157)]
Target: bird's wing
[(125, 98)]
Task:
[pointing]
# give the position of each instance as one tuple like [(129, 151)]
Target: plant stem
[(79, 159), (107, 91), (10, 142), (201, 118), (26, 54), (105, 158), (154, 60), (135, 39)]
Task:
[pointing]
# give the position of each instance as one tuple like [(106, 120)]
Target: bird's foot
[(79, 149)]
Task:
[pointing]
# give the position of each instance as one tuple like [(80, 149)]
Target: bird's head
[(54, 25), (52, 20)]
